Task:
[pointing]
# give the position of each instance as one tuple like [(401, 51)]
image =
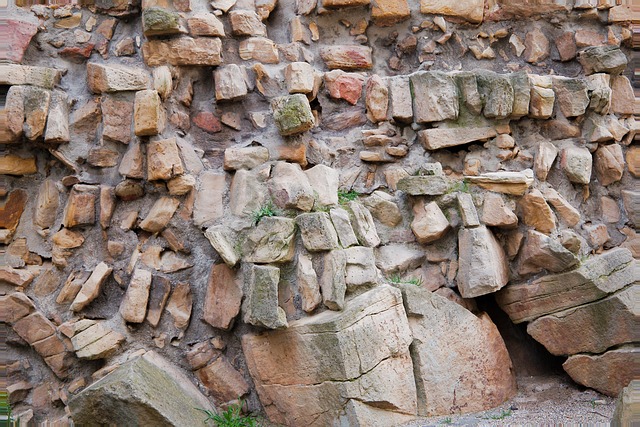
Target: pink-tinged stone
[(347, 57), (18, 36), (224, 295), (341, 85), (76, 53), (206, 121)]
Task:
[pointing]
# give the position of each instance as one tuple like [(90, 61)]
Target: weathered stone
[(400, 102), (628, 404), (292, 114), (590, 328), (91, 288), (496, 213), (272, 240), (544, 159), (16, 277), (572, 95), (265, 7), (603, 59), (333, 281), (467, 210), (607, 373), (344, 229), (201, 51), (566, 212), (230, 82), (19, 34), (11, 209), (542, 98), (536, 46), (397, 258), (223, 5), (483, 267), (609, 163), (622, 96), (566, 45), (157, 21), (335, 4), (208, 206), (373, 329), (58, 119), (134, 304), (260, 49), (385, 13), (34, 327), (260, 306), (223, 381), (469, 10), (521, 94), (363, 225), (115, 78), (383, 207), (12, 115), (633, 160), (437, 138), (496, 93), (576, 163), (435, 97), (324, 182), (543, 252), (36, 109), (631, 201), (429, 223), (67, 239), (347, 57), (129, 190), (536, 212), (341, 85), (426, 185), (144, 390), (15, 306), (158, 295), (515, 183), (80, 208), (160, 214), (597, 234), (290, 187), (205, 24), (181, 185), (246, 23), (307, 281), (12, 74), (361, 267), (598, 85), (596, 128), (317, 232), (248, 193), (224, 295), (596, 278), (116, 119), (180, 305), (149, 117), (163, 160), (300, 77), (450, 377), (469, 95)]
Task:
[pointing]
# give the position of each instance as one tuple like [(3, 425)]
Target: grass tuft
[(346, 196), (266, 210), (232, 417), (397, 279)]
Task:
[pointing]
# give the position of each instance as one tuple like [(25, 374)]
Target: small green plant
[(232, 417), (266, 210), (6, 418), (502, 415), (346, 196), (461, 186), (446, 421), (397, 279)]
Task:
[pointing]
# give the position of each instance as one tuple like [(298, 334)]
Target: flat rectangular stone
[(434, 139), (11, 74), (347, 57), (183, 51)]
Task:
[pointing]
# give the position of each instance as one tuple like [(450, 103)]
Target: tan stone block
[(160, 214), (81, 207), (134, 304), (223, 381), (91, 288), (537, 213), (149, 117), (202, 51), (34, 327), (163, 160), (259, 49), (385, 13), (14, 307), (115, 78)]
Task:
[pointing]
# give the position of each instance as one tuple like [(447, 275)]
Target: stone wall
[(296, 204)]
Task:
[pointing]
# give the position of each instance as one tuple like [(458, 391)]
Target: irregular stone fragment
[(544, 159), (483, 267), (272, 240), (160, 214), (12, 115), (361, 267), (180, 305), (199, 51), (633, 160), (81, 207), (469, 10), (208, 206), (576, 163), (467, 210), (260, 306), (324, 182), (631, 201), (116, 119), (149, 117), (598, 85), (622, 96), (158, 295), (163, 160), (521, 94), (383, 207), (496, 93), (147, 389), (67, 239), (589, 328), (537, 213), (385, 13), (341, 85), (224, 295), (34, 327), (543, 252), (536, 46), (36, 109), (628, 404), (292, 114), (58, 119), (246, 23), (91, 288), (115, 78), (260, 49), (429, 223), (437, 138), (19, 34), (223, 381), (205, 24), (181, 185), (344, 230), (347, 57), (290, 187), (363, 225), (435, 97), (309, 388), (334, 4), (593, 280), (223, 5), (317, 232), (566, 212), (607, 373), (572, 95), (515, 183), (566, 46), (300, 77), (308, 285), (449, 377), (157, 21), (134, 305), (609, 163), (16, 277), (596, 128), (13, 74), (400, 102), (602, 59), (11, 209), (230, 82), (542, 98), (495, 212)]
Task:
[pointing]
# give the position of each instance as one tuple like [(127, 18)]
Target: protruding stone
[(180, 305), (566, 212), (230, 82), (543, 252), (400, 102), (467, 210), (437, 138), (495, 212), (149, 117), (158, 295), (435, 97), (542, 97), (469, 10), (536, 46), (603, 59), (115, 78), (429, 223), (208, 207), (317, 232), (223, 381), (292, 114), (324, 182), (157, 21), (12, 74), (385, 13), (576, 163), (537, 213), (515, 183), (607, 373), (19, 35), (333, 281), (572, 95), (609, 163), (246, 23), (217, 236), (383, 208), (163, 160), (224, 295), (205, 24), (347, 57), (377, 99), (623, 97), (134, 305), (36, 109), (308, 285), (58, 119), (546, 155), (483, 267), (336, 4), (259, 49), (300, 77), (361, 267), (363, 225), (261, 297), (116, 119), (91, 288), (496, 93), (341, 85), (201, 51), (290, 187), (598, 85), (342, 224), (160, 214), (272, 240), (81, 207)]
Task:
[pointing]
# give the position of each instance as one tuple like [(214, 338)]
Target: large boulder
[(147, 390), (460, 361), (338, 368), (608, 373)]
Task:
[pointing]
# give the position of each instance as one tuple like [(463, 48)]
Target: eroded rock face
[(303, 377), (460, 361)]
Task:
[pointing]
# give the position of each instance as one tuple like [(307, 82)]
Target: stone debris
[(91, 288)]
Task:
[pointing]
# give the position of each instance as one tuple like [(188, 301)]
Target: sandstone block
[(81, 207), (115, 78), (347, 57), (495, 212), (469, 10), (224, 295), (536, 212), (344, 229), (224, 382), (572, 95), (36, 109), (576, 163), (149, 117), (91, 288), (361, 267), (157, 21), (385, 13), (400, 103), (292, 114), (607, 373), (163, 160), (324, 182), (317, 232), (58, 119), (429, 223), (603, 59), (205, 24), (515, 183), (180, 305), (437, 138), (229, 82), (308, 285), (272, 240), (290, 187), (116, 119), (13, 74), (363, 225), (300, 77), (134, 305), (609, 163), (260, 307), (200, 51), (160, 214), (246, 23), (435, 97), (208, 205)]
